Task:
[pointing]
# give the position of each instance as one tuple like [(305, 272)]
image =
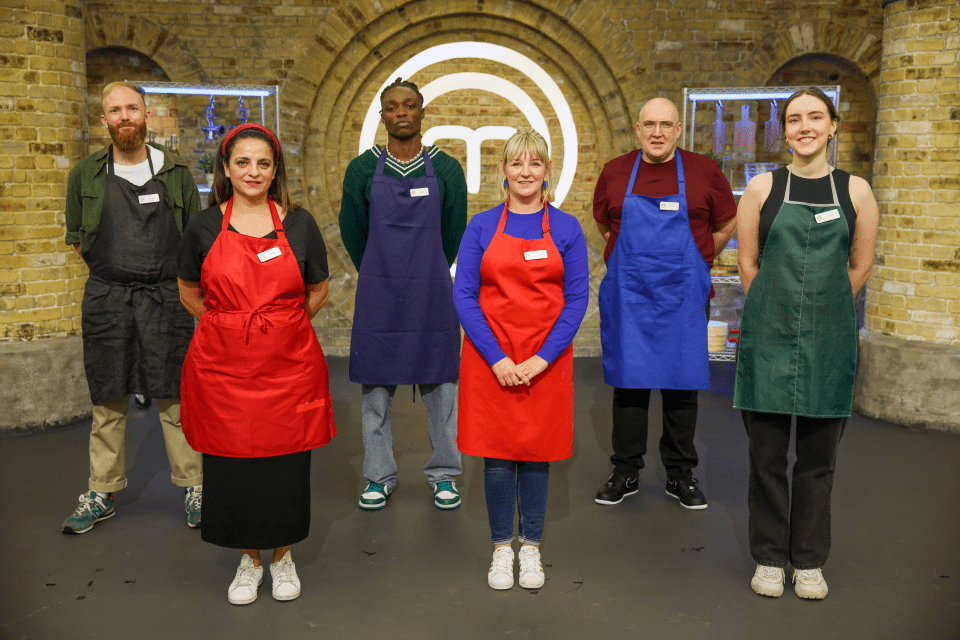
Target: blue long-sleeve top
[(568, 237)]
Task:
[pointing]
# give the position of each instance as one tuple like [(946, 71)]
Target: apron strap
[(381, 162), (428, 164)]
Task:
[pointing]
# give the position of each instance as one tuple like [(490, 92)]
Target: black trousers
[(630, 421), (783, 527)]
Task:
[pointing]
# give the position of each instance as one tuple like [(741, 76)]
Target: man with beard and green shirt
[(126, 208)]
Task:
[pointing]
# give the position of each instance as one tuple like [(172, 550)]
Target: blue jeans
[(521, 484), (440, 401)]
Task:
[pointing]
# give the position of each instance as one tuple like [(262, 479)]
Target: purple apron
[(405, 327), (652, 322)]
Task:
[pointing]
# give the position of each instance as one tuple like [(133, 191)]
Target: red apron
[(255, 381), (521, 300)]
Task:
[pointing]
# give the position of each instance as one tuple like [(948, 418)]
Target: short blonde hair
[(123, 83), (526, 141)]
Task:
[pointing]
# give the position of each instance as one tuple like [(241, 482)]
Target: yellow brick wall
[(914, 292), (42, 125), (607, 56)]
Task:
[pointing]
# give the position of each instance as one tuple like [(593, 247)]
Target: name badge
[(669, 206), (150, 197), (535, 255), (826, 216), (269, 254), (419, 193)]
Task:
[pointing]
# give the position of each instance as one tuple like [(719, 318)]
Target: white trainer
[(500, 575), (286, 582), (531, 570), (809, 584), (768, 581), (243, 589)]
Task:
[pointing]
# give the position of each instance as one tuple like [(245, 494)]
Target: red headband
[(249, 125)]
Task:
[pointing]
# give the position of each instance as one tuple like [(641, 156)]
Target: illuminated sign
[(492, 84)]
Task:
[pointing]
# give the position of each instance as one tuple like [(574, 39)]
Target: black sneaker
[(687, 492), (617, 487)]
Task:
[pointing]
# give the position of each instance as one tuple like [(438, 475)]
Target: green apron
[(798, 336)]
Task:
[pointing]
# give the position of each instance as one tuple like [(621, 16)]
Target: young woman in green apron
[(806, 236)]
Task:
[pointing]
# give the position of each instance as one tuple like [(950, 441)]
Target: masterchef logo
[(492, 84)]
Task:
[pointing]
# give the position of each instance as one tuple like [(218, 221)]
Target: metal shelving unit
[(728, 355)]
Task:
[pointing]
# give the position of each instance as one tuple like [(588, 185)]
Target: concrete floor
[(645, 568)]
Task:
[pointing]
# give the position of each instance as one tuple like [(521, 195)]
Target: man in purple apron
[(665, 214), (402, 215), (126, 208)]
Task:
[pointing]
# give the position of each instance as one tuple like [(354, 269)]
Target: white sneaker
[(531, 570), (286, 583), (500, 575), (768, 581), (243, 589), (809, 584)]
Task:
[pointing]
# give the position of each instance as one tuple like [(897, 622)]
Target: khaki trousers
[(108, 440)]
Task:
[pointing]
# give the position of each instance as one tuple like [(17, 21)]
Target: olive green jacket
[(87, 183)]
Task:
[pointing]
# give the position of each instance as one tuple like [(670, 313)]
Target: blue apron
[(405, 327), (653, 327)]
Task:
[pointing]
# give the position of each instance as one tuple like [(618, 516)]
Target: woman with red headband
[(256, 396)]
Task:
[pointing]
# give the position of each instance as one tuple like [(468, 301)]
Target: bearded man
[(126, 208)]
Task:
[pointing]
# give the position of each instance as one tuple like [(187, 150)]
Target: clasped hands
[(510, 374)]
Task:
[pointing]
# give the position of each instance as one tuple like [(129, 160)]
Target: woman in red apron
[(807, 234), (255, 391), (521, 292)]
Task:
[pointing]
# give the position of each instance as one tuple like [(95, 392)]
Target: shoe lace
[(284, 571), (502, 559), (194, 499), (444, 485), (85, 507), (808, 575), (374, 486), (530, 560), (770, 573), (246, 576)]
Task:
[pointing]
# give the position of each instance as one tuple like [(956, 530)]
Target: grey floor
[(646, 568)]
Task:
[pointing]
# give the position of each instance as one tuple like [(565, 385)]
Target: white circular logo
[(493, 84)]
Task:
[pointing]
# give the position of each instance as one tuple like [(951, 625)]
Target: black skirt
[(256, 503)]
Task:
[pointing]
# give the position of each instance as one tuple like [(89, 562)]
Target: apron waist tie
[(152, 290)]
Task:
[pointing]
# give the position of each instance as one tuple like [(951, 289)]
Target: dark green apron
[(798, 336)]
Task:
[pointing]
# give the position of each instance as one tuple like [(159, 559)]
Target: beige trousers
[(108, 446)]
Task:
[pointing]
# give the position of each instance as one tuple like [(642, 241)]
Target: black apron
[(135, 330)]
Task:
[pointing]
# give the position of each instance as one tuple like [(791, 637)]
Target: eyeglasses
[(666, 127)]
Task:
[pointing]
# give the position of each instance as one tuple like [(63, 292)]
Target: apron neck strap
[(833, 187), (506, 208), (277, 225), (112, 170)]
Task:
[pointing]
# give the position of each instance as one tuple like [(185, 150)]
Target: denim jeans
[(521, 484), (677, 452), (784, 527), (440, 401)]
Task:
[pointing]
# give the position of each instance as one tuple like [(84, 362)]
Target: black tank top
[(815, 191)]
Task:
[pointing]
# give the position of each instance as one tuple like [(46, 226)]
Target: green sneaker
[(93, 508), (445, 495), (191, 502), (375, 495)]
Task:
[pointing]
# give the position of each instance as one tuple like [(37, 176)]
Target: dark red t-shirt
[(710, 201)]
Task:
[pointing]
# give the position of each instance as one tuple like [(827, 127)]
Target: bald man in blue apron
[(402, 215), (665, 214)]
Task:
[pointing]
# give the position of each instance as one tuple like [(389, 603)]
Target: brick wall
[(330, 57), (914, 293), (42, 124)]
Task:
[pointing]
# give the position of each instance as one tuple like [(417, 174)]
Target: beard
[(128, 140)]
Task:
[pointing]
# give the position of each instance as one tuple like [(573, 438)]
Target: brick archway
[(133, 32), (337, 75)]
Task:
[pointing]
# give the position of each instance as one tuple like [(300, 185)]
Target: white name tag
[(535, 255), (150, 197), (826, 216), (419, 193), (269, 254), (669, 206)]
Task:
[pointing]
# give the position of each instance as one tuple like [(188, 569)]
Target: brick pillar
[(42, 124), (910, 346)]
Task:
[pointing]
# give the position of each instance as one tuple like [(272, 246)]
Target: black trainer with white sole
[(617, 487), (687, 492)]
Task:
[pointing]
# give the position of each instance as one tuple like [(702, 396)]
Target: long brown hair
[(222, 189)]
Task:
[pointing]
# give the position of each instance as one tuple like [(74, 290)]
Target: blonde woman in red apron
[(521, 292), (806, 238), (256, 395)]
